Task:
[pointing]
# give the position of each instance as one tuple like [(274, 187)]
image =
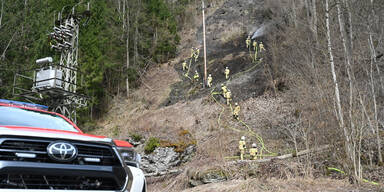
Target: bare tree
[(347, 59), (314, 26), (373, 60), (338, 109)]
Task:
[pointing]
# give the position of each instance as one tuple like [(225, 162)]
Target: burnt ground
[(227, 30), (247, 78)]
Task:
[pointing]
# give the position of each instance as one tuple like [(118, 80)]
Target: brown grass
[(277, 185)]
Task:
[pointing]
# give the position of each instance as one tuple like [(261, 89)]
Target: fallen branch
[(146, 85), (286, 156), (5, 50)]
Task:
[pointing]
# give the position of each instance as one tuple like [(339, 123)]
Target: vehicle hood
[(49, 133)]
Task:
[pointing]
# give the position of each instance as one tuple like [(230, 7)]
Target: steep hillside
[(168, 106)]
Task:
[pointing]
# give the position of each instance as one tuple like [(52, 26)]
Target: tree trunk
[(5, 50), (119, 7), (339, 112), (310, 39), (314, 16), (373, 59), (127, 80), (347, 59), (2, 10), (135, 43), (294, 14), (124, 2), (372, 47), (346, 2)]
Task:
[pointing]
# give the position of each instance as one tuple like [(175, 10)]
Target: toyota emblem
[(62, 151)]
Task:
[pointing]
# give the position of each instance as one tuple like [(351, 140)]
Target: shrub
[(151, 145), (136, 137)]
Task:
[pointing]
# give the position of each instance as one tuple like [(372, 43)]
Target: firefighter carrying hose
[(185, 67), (196, 54), (236, 111), (253, 152), (254, 44), (228, 97), (209, 80), (224, 90), (192, 52), (196, 76), (248, 42), (242, 147), (261, 46), (226, 72)]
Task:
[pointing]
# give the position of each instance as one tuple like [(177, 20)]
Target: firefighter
[(224, 90), (236, 111), (187, 75), (209, 80), (261, 47), (226, 72), (197, 53), (192, 52), (254, 44), (196, 76), (242, 147), (228, 97), (248, 42), (185, 65), (253, 151)]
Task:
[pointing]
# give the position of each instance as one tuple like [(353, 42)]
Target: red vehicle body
[(51, 157)]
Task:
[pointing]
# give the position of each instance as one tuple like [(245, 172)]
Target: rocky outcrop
[(206, 177), (165, 158)]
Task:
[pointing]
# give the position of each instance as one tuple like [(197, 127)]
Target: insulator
[(56, 29), (67, 31), (61, 45), (57, 48), (68, 35), (57, 33), (70, 26)]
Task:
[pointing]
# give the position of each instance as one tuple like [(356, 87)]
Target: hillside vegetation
[(318, 85)]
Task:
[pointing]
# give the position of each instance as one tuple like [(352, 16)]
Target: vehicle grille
[(10, 146), (58, 182)]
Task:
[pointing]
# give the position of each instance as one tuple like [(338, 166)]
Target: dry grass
[(276, 185)]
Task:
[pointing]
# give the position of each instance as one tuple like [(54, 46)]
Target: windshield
[(12, 116)]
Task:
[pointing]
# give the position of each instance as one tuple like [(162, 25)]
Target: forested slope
[(120, 40)]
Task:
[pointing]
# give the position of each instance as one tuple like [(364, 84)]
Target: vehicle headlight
[(130, 157)]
